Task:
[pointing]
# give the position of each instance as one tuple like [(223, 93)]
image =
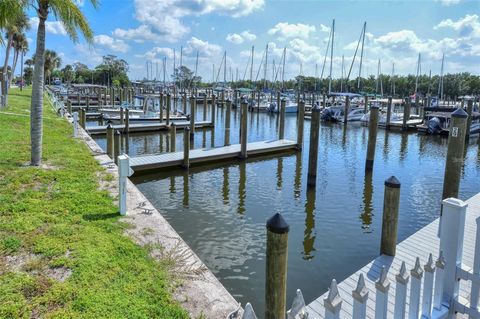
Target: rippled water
[(220, 210)]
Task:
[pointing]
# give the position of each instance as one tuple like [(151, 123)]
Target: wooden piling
[(83, 118), (456, 148), (116, 146), (389, 113), (278, 100), (127, 121), (192, 116), (69, 106), (186, 148), (184, 103), (122, 117), (160, 111), (281, 128), (391, 202), (346, 110), (276, 267), (110, 142), (469, 119), (406, 114), (313, 151), (205, 107), (228, 110), (214, 107), (365, 105), (372, 136), (167, 115), (243, 132), (173, 138), (300, 124)]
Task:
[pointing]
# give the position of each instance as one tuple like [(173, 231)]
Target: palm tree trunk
[(36, 114), (14, 65), (5, 68)]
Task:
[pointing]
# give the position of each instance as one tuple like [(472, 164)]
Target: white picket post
[(451, 243), (333, 302), (75, 124), (415, 288), (439, 278), (474, 294), (381, 300), (360, 297), (401, 292), (429, 269), (298, 309), (248, 313), (124, 171)]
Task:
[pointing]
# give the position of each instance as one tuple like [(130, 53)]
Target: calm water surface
[(220, 210)]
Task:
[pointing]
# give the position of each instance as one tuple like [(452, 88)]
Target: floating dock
[(205, 155), (146, 127), (420, 244)]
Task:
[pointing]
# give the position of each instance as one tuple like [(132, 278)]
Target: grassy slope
[(59, 219)]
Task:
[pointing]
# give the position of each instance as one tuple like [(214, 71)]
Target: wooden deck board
[(421, 244), (146, 127), (209, 154)]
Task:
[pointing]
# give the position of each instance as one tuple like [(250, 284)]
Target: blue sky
[(149, 30)]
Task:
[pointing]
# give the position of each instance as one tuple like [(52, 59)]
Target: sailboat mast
[(196, 69), (331, 58), (283, 68), (225, 68), (341, 79), (251, 66), (440, 82), (361, 56), (429, 81), (164, 72), (392, 87), (418, 71), (265, 69)]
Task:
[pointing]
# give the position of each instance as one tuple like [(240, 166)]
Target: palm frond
[(72, 18)]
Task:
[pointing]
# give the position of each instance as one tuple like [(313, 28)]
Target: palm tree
[(69, 14), (51, 63), (20, 46)]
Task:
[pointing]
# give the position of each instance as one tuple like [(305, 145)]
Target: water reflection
[(241, 188), (309, 233), (385, 145), (172, 184), (226, 186), (367, 209), (403, 146), (279, 172), (185, 189), (298, 175)]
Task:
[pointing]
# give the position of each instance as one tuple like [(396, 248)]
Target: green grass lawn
[(62, 249)]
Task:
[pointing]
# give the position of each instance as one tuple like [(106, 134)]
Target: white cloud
[(242, 37), (53, 27), (466, 26), (324, 28), (448, 3), (248, 36), (157, 53), (204, 48), (285, 30), (111, 43)]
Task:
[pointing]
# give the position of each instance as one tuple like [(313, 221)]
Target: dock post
[(192, 116), (83, 118), (69, 106), (173, 137), (313, 150), (469, 119), (406, 114), (365, 106), (205, 107), (324, 98), (228, 110), (278, 100), (167, 116), (372, 137), (389, 113), (75, 124), (222, 103), (391, 202), (127, 121), (186, 147), (110, 151), (281, 128), (122, 117), (78, 100), (184, 102), (455, 150), (116, 146), (346, 110), (300, 123), (276, 267), (124, 171), (87, 102), (112, 96), (417, 104), (160, 111), (243, 132), (214, 109)]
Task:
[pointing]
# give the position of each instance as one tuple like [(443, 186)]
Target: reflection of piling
[(192, 116), (456, 148), (313, 152), (116, 146), (391, 202), (276, 267), (300, 123), (228, 109), (186, 148), (173, 137), (110, 151), (281, 129), (372, 137), (389, 113), (243, 132)]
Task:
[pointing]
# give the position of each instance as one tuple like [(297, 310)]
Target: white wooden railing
[(431, 291)]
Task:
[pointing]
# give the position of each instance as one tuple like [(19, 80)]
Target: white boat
[(290, 106)]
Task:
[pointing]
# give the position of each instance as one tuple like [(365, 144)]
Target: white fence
[(431, 291)]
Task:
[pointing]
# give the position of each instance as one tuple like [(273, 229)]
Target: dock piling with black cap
[(391, 202), (313, 151), (372, 136)]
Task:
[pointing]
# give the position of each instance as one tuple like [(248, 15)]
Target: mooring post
[(122, 117), (173, 137), (300, 123), (313, 151), (110, 142), (214, 107), (222, 103), (391, 202), (243, 131), (116, 146), (160, 111), (228, 110), (167, 116), (276, 267), (193, 103), (324, 101), (417, 104), (372, 136), (365, 105), (278, 101), (406, 114), (469, 119), (83, 118), (389, 112), (127, 121), (75, 124), (112, 96), (346, 110), (186, 148), (205, 107), (456, 148), (281, 128), (69, 106), (184, 102), (258, 101), (78, 100), (88, 102), (124, 171)]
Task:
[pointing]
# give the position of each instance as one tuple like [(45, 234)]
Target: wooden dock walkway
[(205, 155), (146, 127), (420, 244)]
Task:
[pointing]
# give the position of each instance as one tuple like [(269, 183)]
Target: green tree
[(68, 74), (20, 47), (184, 77)]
